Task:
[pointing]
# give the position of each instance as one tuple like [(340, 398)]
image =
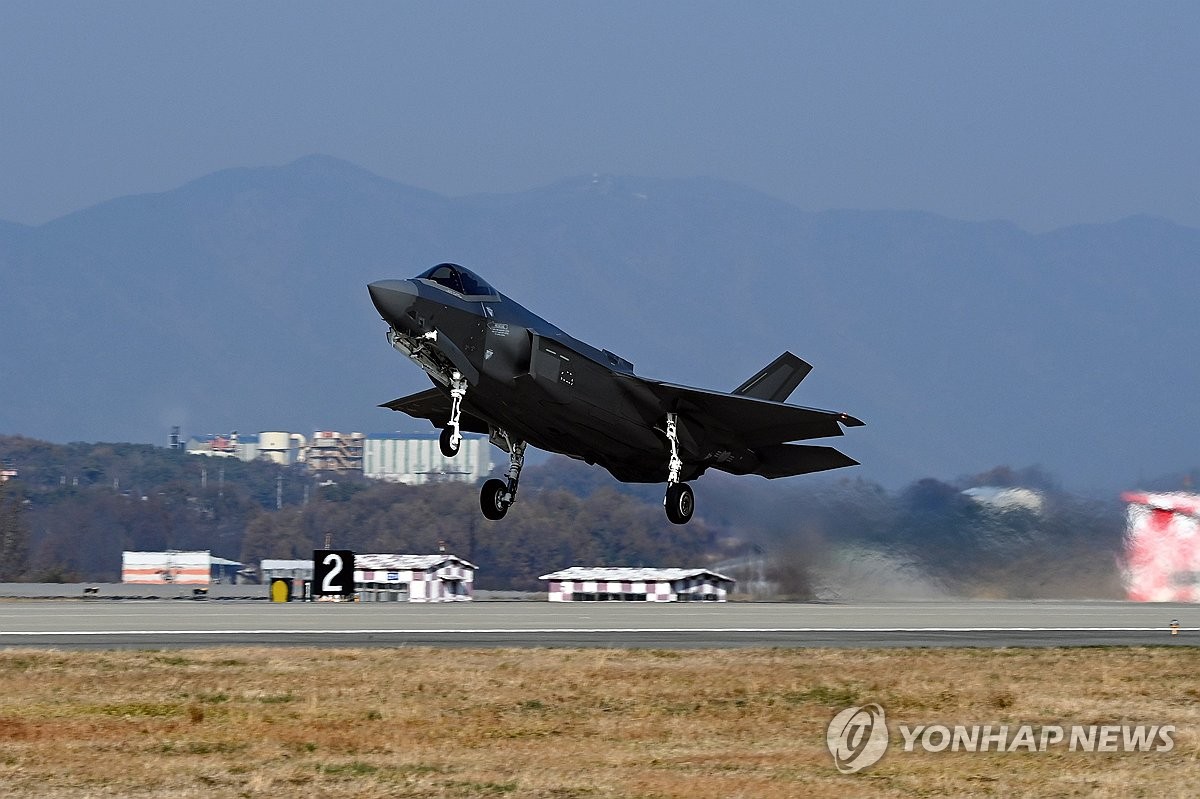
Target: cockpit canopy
[(460, 280)]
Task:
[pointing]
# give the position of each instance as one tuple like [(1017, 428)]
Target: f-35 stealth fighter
[(500, 370)]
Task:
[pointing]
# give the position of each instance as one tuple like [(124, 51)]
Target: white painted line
[(600, 630)]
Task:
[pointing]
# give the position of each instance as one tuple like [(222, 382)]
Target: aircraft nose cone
[(393, 298)]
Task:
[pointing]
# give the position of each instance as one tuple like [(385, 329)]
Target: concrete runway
[(147, 624)]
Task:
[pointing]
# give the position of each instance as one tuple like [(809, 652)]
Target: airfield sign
[(333, 572)]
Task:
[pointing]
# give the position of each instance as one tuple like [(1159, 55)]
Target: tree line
[(74, 508)]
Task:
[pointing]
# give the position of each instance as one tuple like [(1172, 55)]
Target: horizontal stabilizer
[(785, 460), (434, 405), (777, 380)]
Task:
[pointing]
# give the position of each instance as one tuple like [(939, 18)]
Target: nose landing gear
[(450, 441)]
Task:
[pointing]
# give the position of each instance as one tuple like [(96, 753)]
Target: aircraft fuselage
[(499, 369), (523, 369)]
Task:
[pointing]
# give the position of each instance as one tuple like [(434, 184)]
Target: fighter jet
[(500, 370)]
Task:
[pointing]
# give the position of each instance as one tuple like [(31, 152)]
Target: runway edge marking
[(591, 630)]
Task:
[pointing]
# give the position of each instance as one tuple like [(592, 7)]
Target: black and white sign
[(333, 572)]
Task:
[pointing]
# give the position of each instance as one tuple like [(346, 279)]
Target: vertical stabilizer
[(777, 380)]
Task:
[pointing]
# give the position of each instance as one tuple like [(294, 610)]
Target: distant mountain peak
[(319, 163), (12, 228), (638, 188)]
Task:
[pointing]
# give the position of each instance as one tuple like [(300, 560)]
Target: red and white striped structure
[(166, 568), (415, 578), (637, 585), (1162, 547)]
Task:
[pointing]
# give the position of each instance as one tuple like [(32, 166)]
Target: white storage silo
[(276, 447)]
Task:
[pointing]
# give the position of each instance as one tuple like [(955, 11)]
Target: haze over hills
[(238, 301)]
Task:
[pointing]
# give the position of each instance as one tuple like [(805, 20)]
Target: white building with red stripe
[(580, 584), (176, 568), (1162, 547)]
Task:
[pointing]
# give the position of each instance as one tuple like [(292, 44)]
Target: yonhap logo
[(857, 737)]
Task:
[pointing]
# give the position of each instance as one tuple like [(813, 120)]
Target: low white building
[(287, 569), (637, 585), (1007, 499), (413, 578), (177, 568)]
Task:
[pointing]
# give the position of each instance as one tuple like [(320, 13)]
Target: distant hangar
[(615, 584)]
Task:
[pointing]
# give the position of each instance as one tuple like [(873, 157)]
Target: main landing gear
[(679, 502), (498, 495)]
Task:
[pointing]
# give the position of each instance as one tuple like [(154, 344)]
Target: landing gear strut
[(451, 438), (679, 502), (498, 495)]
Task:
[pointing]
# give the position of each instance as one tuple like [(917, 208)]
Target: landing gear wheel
[(447, 443), (493, 499), (680, 502)]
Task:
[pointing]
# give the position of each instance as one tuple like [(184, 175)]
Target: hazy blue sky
[(1045, 113)]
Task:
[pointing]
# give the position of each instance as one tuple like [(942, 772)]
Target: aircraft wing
[(743, 434), (434, 405), (755, 422)]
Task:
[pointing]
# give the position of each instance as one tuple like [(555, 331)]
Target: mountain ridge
[(238, 300)]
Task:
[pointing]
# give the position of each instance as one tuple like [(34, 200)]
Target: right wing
[(742, 433), (754, 422)]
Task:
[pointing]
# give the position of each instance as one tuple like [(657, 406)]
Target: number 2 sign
[(333, 572)]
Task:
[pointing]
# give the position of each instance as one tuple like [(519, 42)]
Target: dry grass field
[(560, 724)]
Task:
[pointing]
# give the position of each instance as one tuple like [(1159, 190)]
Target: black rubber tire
[(491, 499), (448, 450), (680, 503)]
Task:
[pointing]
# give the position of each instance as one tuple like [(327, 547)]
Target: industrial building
[(1162, 547), (416, 458), (277, 447), (579, 584), (330, 451), (411, 458), (177, 568)]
